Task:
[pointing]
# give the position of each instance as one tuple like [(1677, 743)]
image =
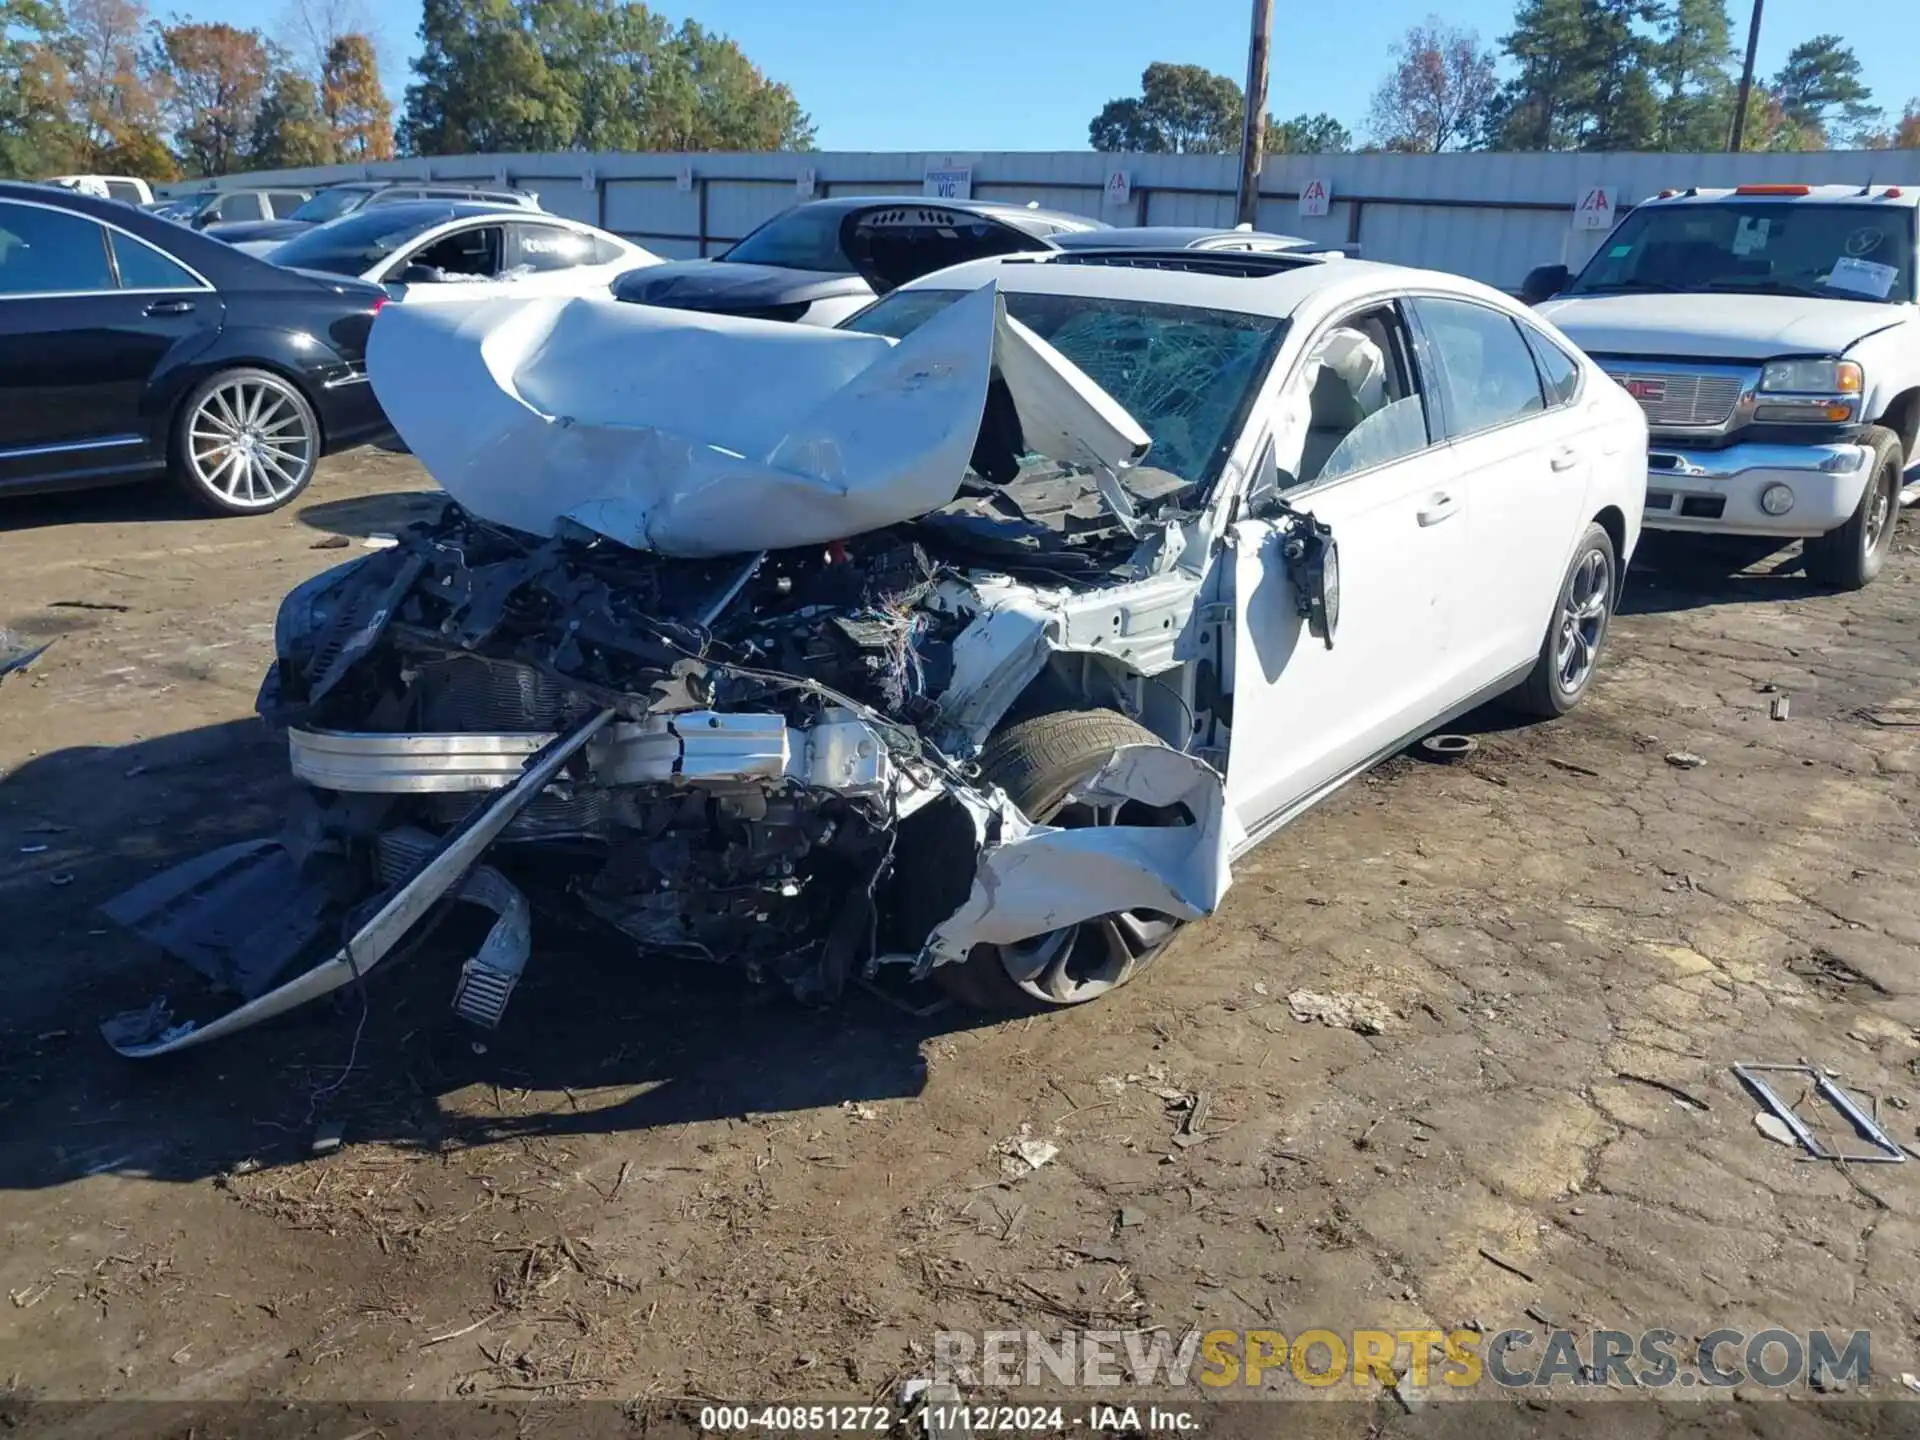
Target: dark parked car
[(338, 200), (820, 262), (131, 346)]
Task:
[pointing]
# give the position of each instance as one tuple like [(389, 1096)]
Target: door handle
[(169, 307), (1565, 458), (1438, 508)]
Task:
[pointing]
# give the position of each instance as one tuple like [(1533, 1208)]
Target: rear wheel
[(246, 442), (1570, 654), (1852, 555), (1038, 762)]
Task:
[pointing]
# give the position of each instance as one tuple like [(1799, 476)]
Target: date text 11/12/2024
[(951, 1419)]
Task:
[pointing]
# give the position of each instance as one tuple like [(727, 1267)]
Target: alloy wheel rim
[(1877, 516), (1083, 961), (1583, 620), (249, 443)]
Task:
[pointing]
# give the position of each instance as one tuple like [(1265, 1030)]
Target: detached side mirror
[(1544, 282), (1313, 565)]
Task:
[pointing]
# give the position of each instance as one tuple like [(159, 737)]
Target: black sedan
[(820, 262), (132, 347)]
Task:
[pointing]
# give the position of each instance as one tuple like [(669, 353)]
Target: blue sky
[(1029, 74)]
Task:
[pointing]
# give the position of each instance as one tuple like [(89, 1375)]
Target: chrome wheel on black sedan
[(247, 442)]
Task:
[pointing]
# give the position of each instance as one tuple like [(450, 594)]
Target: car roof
[(215, 260), (1878, 196), (1271, 284), (1166, 237), (439, 211)]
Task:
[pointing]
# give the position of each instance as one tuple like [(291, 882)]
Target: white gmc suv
[(1771, 334)]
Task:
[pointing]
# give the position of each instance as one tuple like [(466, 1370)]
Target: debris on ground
[(1494, 1257), (1774, 1128), (1341, 1011), (14, 656), (1819, 1083), (1024, 1153), (1780, 707), (329, 542), (1448, 747), (1684, 760)]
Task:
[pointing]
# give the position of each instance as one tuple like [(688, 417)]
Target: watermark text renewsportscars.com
[(1223, 1360)]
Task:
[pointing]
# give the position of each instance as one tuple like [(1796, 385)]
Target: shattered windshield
[(1184, 372), (1830, 252)]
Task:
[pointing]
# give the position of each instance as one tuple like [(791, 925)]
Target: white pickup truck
[(1771, 334)]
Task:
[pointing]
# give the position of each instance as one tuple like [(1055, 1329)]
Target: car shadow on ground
[(598, 1039), (147, 502), (384, 514), (1673, 571)]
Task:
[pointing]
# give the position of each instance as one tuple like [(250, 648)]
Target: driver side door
[(1369, 464)]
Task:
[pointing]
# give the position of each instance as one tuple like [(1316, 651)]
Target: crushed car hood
[(698, 435), (1721, 327)]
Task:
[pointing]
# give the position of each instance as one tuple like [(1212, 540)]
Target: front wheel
[(1038, 762), (1851, 556), (1570, 654), (246, 442)]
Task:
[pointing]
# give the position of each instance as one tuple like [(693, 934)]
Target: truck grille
[(1683, 398)]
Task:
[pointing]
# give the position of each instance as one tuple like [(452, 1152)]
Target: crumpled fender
[(1036, 878)]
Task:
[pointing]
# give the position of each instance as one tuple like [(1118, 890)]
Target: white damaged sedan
[(975, 638)]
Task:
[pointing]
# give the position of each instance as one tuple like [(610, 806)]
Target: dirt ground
[(655, 1181)]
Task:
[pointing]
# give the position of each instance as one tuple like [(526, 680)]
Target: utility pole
[(1253, 132), (1739, 131)]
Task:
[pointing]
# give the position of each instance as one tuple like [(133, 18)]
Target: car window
[(1355, 403), (330, 205), (540, 248), (239, 207), (1758, 246), (50, 252), (464, 256), (1186, 373), (806, 237), (354, 245), (1559, 371), (125, 190), (284, 202), (144, 268), (1486, 372)]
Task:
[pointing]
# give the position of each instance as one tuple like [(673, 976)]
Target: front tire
[(246, 443), (1849, 558), (1038, 762), (1570, 654)]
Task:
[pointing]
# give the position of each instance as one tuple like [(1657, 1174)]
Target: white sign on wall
[(1594, 209), (947, 179), (683, 179), (1119, 187), (803, 183), (1315, 197)]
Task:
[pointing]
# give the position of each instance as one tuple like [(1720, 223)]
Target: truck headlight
[(1812, 377)]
